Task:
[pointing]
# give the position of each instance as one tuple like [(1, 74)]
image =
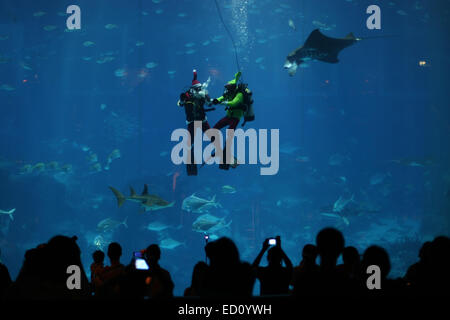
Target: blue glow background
[(377, 104)]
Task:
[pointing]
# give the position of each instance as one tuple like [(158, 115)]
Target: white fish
[(259, 60), (337, 216), (9, 213), (170, 244), (198, 205), (151, 65), (157, 226), (291, 24), (341, 203)]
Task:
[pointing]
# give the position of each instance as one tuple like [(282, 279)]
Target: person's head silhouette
[(153, 254), (309, 253), (330, 243), (114, 252), (375, 255)]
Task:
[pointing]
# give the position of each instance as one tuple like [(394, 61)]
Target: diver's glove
[(215, 101)]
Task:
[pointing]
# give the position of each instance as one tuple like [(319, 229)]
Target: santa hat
[(195, 82)]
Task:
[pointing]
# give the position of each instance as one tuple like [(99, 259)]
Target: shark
[(9, 213), (318, 47), (148, 202)]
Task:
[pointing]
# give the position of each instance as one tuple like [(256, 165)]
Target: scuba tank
[(249, 114)]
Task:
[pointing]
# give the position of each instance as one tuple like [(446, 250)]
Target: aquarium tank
[(347, 126)]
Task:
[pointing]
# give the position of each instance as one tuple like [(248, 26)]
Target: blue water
[(64, 99)]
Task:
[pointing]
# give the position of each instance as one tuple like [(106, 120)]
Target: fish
[(92, 157), (115, 154), (341, 203), (67, 168), (96, 167), (147, 201), (289, 148), (289, 202), (323, 26), (189, 44), (159, 11), (7, 87), (259, 60), (105, 59), (291, 24), (121, 72), (109, 224), (318, 47), (333, 215), (49, 28), (198, 205), (209, 223), (151, 65), (53, 165), (228, 189), (9, 213), (38, 167), (302, 159), (111, 26), (39, 14), (25, 66), (170, 244), (88, 43), (414, 162), (157, 226)]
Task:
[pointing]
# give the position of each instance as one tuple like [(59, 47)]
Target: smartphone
[(272, 242), (140, 264)]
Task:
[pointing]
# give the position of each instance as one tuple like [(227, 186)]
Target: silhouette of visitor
[(5, 279), (226, 275), (159, 281), (305, 271), (44, 272), (198, 279), (97, 268), (112, 275), (377, 256), (274, 279), (327, 280)]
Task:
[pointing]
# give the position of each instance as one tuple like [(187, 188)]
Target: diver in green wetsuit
[(237, 98)]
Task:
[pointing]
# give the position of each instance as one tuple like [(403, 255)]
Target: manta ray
[(318, 47)]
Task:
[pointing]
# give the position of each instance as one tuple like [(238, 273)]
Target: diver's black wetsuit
[(193, 102)]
